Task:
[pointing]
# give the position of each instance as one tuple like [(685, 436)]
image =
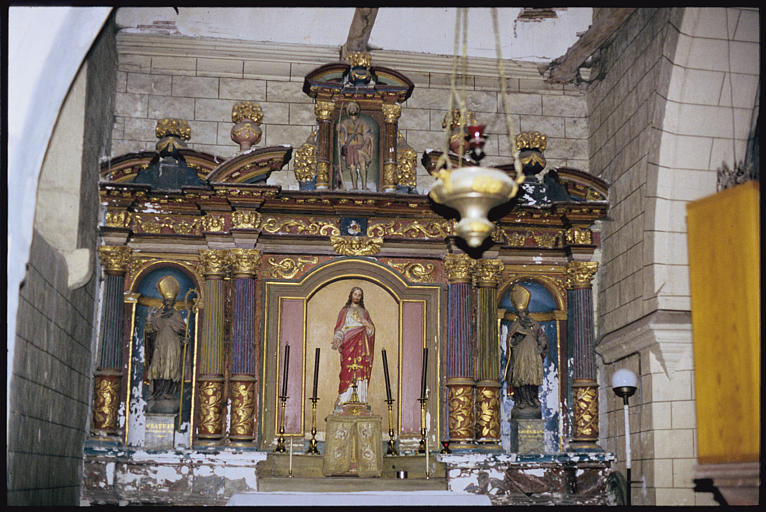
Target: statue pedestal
[(353, 443), (159, 431), (527, 435)]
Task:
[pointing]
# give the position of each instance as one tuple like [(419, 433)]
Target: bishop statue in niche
[(527, 347), (166, 335), (357, 136)]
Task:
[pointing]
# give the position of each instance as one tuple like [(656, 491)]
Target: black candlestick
[(423, 374), (284, 371), (385, 374), (316, 372)]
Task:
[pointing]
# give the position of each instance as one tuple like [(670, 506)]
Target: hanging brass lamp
[(474, 190)]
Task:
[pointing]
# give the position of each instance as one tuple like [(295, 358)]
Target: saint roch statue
[(526, 346), (356, 146), (354, 338), (166, 327)]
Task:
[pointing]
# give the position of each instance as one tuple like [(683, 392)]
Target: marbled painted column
[(460, 351), (213, 263), (487, 275), (323, 110), (580, 334), (391, 114), (244, 265), (108, 377)]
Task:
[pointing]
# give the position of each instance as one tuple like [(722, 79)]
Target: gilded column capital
[(244, 262), (323, 109), (115, 258), (488, 272), (391, 112), (458, 267), (580, 273), (213, 262)]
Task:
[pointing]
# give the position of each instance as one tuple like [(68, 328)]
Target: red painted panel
[(291, 332), (413, 316)]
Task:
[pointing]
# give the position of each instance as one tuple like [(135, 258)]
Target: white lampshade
[(624, 378)]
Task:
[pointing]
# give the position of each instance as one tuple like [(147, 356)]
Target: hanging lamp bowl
[(473, 191)]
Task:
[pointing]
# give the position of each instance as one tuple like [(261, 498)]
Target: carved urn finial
[(247, 117)]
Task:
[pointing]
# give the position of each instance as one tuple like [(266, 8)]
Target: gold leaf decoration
[(287, 268), (243, 219), (309, 226), (411, 229), (416, 272), (356, 245)]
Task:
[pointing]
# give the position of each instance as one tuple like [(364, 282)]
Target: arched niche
[(303, 313), (142, 295), (546, 305)]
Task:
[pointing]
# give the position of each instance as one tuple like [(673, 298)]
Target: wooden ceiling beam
[(359, 31), (564, 68)]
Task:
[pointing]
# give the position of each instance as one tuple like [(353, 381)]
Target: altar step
[(307, 475)]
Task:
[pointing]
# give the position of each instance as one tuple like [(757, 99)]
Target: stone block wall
[(194, 79), (51, 383), (661, 122)]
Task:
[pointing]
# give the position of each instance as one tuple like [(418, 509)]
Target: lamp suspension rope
[(460, 16), (504, 99)]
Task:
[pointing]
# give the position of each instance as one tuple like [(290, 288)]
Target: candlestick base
[(422, 443), (423, 407), (391, 445), (281, 439), (280, 444), (312, 449)]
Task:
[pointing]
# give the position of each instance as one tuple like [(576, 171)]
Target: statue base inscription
[(353, 443), (160, 430), (527, 436)]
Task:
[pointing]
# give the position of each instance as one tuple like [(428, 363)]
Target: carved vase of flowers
[(247, 117)]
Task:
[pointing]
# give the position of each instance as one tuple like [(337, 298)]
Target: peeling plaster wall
[(171, 478), (194, 479)]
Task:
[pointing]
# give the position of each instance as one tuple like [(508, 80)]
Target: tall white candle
[(291, 457)]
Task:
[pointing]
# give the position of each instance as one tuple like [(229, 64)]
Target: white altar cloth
[(374, 498)]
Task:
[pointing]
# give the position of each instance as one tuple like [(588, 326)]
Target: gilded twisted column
[(244, 265), (487, 275), (323, 110), (580, 332), (460, 351), (391, 114), (108, 377), (213, 264)]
